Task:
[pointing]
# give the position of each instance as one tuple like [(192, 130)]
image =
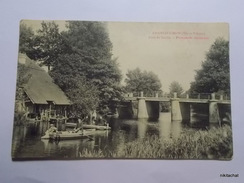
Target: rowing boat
[(96, 127), (67, 135)]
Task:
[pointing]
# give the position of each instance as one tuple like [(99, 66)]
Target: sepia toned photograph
[(122, 90)]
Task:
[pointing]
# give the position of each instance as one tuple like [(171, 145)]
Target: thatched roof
[(40, 87)]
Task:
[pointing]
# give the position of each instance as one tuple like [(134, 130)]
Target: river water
[(27, 141)]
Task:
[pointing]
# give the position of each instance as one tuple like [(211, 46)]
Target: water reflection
[(141, 128), (165, 125), (62, 149)]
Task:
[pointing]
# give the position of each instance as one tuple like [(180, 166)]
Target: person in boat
[(102, 121), (52, 128), (52, 131), (79, 126)]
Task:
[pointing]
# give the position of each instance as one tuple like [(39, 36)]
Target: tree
[(23, 77), (47, 44), (88, 55), (138, 81), (214, 75), (90, 42), (26, 36), (175, 87), (83, 94), (89, 39)]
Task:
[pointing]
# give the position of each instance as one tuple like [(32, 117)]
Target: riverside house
[(41, 98)]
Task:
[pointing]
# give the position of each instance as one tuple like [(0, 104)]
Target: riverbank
[(215, 143)]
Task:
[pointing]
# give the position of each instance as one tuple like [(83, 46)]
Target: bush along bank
[(215, 143)]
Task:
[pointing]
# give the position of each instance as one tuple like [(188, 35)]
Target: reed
[(215, 143)]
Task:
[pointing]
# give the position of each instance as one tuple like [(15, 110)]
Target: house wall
[(44, 110)]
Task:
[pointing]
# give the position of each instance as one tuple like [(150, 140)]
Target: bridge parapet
[(148, 95), (198, 98), (209, 96), (180, 107)]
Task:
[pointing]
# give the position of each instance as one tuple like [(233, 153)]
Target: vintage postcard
[(118, 90)]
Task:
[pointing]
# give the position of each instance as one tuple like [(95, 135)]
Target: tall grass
[(215, 143)]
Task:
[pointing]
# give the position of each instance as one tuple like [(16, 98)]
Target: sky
[(173, 51)]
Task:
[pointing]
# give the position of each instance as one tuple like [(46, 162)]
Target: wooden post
[(141, 94), (156, 94), (49, 114)]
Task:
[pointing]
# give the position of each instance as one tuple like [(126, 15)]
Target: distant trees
[(144, 81), (175, 87), (214, 75)]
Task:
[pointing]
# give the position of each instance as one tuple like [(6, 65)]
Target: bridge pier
[(142, 107), (175, 109), (213, 110)]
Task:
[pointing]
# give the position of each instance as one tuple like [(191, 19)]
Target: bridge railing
[(146, 94), (222, 96), (190, 96), (200, 96), (209, 96)]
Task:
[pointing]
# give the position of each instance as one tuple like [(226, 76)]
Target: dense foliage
[(214, 75), (26, 39), (80, 62), (22, 78)]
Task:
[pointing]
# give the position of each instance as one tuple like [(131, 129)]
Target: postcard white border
[(119, 170)]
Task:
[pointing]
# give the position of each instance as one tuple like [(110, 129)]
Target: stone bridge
[(149, 107)]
